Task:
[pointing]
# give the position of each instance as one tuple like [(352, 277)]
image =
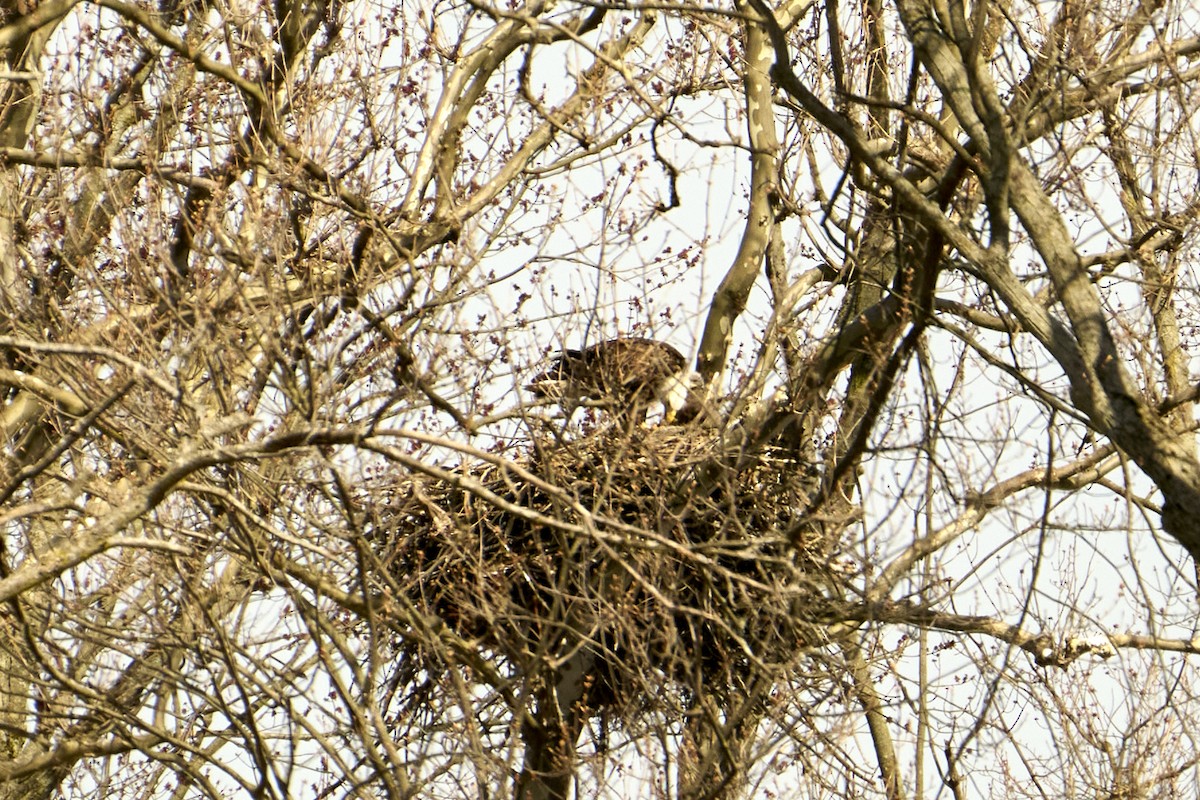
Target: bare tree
[(280, 519)]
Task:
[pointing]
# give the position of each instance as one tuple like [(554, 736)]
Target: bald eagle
[(626, 375)]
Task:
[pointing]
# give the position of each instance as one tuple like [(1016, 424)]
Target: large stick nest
[(653, 550)]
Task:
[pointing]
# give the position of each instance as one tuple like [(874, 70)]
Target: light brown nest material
[(650, 549)]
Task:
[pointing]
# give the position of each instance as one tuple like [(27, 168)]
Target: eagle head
[(680, 394)]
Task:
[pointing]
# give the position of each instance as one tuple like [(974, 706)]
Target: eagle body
[(627, 375)]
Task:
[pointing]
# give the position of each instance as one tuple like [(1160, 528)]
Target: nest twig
[(653, 551)]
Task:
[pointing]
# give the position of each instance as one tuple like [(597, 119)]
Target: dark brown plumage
[(626, 374)]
